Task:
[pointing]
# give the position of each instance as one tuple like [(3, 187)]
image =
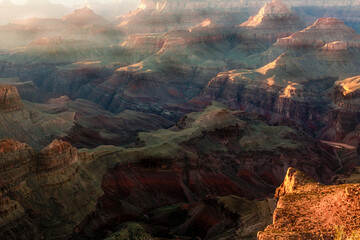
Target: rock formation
[(323, 31), (27, 122), (286, 81), (294, 103), (274, 20), (145, 43), (84, 16), (53, 189), (10, 99), (310, 210), (206, 25), (162, 16)]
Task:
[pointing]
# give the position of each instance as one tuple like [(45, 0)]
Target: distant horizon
[(11, 10), (69, 3)]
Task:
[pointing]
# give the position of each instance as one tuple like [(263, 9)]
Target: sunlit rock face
[(168, 5), (273, 21), (161, 16), (164, 15), (310, 210), (323, 31), (293, 93)]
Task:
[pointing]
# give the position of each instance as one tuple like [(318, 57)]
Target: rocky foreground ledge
[(309, 210)]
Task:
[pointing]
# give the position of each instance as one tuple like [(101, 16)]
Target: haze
[(19, 9)]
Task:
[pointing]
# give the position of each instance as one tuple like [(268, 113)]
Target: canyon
[(182, 120)]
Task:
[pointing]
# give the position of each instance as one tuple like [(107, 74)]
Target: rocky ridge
[(274, 20), (323, 31)]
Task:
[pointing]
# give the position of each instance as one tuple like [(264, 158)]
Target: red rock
[(309, 210), (58, 154)]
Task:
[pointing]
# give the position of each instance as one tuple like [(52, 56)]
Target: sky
[(71, 3), (20, 9), (65, 2)]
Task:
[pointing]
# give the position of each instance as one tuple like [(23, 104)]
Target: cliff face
[(307, 209), (54, 189), (10, 99), (346, 95)]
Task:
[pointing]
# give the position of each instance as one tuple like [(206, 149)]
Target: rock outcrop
[(274, 20), (145, 43), (52, 190), (206, 25), (310, 210), (57, 155), (9, 99), (28, 123)]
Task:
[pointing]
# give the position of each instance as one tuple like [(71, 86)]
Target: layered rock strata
[(9, 99), (274, 20), (44, 195)]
